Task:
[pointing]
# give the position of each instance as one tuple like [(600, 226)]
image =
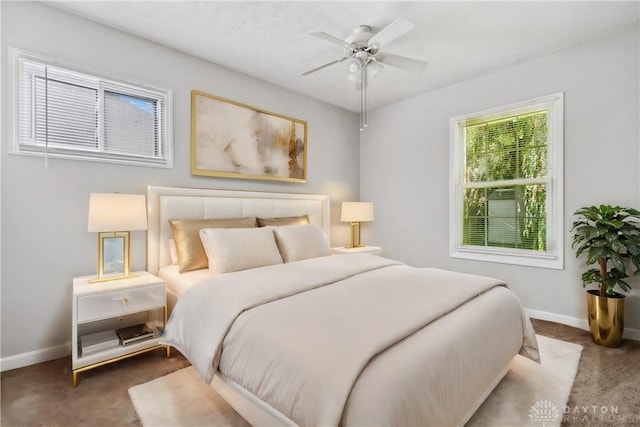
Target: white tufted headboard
[(165, 203)]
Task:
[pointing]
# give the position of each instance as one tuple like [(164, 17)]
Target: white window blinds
[(506, 184), (131, 125), (68, 113)]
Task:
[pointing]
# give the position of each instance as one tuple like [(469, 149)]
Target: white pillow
[(298, 242), (233, 249)]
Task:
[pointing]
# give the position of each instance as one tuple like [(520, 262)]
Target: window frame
[(553, 257), (123, 86)]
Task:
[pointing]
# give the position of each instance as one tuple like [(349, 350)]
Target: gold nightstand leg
[(166, 315), (75, 379)]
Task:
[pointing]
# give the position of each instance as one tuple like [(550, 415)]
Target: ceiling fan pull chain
[(361, 99), (364, 92)]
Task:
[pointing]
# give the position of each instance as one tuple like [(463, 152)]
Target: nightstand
[(375, 250), (99, 309)]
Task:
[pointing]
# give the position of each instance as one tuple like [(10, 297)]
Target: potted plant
[(610, 238)]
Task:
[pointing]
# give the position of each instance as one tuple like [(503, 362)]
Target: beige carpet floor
[(182, 398), (41, 394), (606, 391)]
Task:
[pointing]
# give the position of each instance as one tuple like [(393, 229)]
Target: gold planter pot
[(606, 318)]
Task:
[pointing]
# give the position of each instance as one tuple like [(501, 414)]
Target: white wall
[(44, 210), (409, 142)]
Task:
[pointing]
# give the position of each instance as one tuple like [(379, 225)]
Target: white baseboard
[(632, 334), (33, 357)]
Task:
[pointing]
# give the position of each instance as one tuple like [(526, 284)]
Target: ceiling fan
[(362, 50)]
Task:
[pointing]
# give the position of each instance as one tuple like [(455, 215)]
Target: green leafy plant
[(608, 233)]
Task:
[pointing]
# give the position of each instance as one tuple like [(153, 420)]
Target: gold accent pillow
[(186, 234), (290, 220)]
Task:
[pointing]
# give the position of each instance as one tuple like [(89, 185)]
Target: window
[(63, 112), (506, 184)]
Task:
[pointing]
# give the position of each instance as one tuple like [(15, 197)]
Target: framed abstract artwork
[(233, 140)]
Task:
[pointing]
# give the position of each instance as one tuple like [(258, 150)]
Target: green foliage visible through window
[(504, 182)]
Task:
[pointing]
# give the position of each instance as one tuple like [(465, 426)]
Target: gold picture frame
[(234, 140), (113, 256)]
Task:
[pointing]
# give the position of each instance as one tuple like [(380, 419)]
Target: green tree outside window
[(504, 182)]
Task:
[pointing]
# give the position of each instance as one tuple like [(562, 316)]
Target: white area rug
[(532, 394), (529, 395)]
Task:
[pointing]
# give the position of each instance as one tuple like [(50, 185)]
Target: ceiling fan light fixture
[(362, 51), (355, 65), (362, 55), (374, 67)]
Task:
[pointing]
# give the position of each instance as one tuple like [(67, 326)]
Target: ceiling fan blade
[(403, 62), (329, 38), (313, 70), (392, 31)]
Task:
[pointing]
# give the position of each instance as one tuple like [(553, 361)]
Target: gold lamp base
[(356, 241), (606, 318)]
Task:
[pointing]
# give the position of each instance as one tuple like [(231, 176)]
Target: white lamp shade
[(117, 212), (356, 212)]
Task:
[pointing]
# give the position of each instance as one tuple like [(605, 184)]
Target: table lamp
[(113, 216), (355, 213)]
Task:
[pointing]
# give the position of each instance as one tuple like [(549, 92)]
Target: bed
[(329, 339)]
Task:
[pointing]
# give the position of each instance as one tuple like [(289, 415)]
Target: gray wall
[(409, 141), (44, 210)]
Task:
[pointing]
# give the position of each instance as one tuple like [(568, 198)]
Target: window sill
[(168, 164), (546, 260)]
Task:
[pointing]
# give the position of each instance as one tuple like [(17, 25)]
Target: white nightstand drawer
[(120, 302)]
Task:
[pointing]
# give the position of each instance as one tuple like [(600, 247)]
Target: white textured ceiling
[(269, 40)]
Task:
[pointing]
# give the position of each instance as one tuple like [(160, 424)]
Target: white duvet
[(323, 340)]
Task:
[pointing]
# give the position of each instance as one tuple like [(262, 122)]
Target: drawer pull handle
[(125, 300)]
